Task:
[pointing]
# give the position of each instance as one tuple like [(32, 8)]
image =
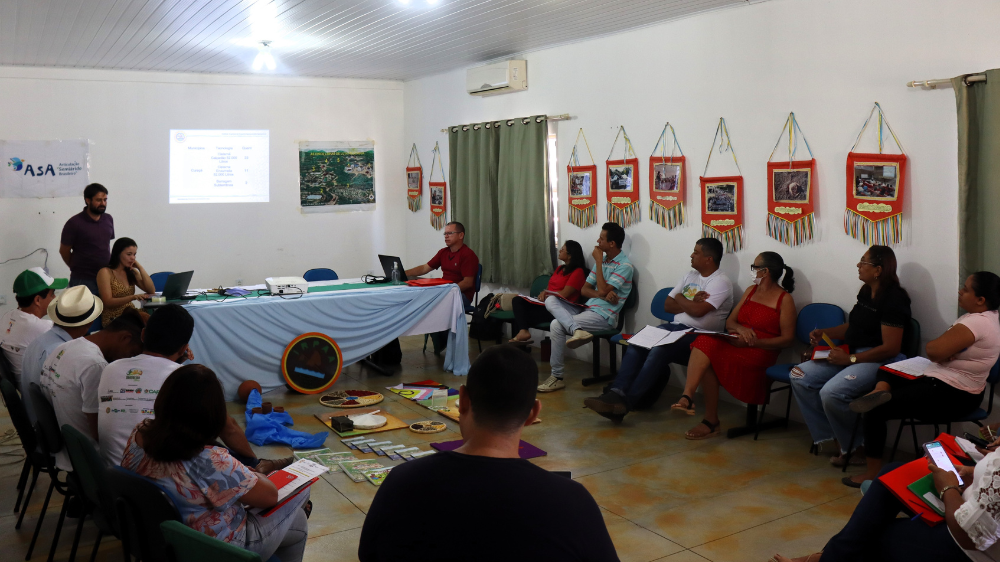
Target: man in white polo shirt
[(34, 290), (71, 373)]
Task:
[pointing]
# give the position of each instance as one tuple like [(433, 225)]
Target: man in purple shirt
[(86, 239)]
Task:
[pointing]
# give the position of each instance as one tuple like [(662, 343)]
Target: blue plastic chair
[(160, 280), (656, 309), (811, 317), (320, 274), (471, 308)]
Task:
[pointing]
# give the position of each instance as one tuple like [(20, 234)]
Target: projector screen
[(216, 166)]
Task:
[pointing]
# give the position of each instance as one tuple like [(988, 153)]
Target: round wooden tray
[(351, 398), (428, 427)]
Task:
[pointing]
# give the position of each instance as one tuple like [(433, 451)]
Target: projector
[(287, 285)]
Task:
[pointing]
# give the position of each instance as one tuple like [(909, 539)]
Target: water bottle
[(397, 274)]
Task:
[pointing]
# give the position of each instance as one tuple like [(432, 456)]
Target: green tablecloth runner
[(254, 294)]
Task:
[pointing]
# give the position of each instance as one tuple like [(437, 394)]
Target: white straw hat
[(76, 306)]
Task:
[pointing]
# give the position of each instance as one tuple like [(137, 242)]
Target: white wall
[(826, 60), (127, 116)]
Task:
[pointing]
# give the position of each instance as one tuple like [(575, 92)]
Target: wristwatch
[(946, 488), (854, 359)]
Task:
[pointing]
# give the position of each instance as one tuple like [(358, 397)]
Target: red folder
[(427, 282), (271, 510), (898, 480), (899, 373)]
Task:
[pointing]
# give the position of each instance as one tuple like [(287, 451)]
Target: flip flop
[(677, 407), (713, 427), (515, 341)]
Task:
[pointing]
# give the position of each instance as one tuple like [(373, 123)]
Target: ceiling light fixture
[(264, 57)]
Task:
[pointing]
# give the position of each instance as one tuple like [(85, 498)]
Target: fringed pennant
[(667, 182), (414, 181), (439, 193), (722, 199), (791, 191), (875, 185), (623, 184), (582, 187)]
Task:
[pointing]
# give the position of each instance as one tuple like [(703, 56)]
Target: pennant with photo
[(791, 191), (667, 182), (439, 193), (623, 184), (414, 180), (875, 183), (582, 187), (722, 198)]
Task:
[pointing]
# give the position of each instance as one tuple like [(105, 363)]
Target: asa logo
[(133, 374), (17, 164)]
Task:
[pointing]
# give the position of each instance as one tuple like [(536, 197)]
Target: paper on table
[(914, 366), (304, 471)]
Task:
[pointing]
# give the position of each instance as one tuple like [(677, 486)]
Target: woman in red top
[(764, 324), (566, 281)]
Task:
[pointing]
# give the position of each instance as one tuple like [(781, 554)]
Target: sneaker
[(267, 466), (608, 403), (580, 337), (551, 384)]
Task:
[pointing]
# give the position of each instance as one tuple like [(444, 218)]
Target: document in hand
[(291, 480), (651, 336), (911, 368)]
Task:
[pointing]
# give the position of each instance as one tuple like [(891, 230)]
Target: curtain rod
[(560, 117), (932, 84)]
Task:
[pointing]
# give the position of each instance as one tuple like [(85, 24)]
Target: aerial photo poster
[(337, 176)]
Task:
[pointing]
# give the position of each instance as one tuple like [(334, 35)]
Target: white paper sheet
[(651, 336), (304, 471), (914, 366), (821, 354)]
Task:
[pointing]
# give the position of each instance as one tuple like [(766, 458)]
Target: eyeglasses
[(450, 233), (867, 263), (756, 268)]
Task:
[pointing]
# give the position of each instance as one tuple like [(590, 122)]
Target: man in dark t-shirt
[(457, 261), (85, 244), (507, 508)]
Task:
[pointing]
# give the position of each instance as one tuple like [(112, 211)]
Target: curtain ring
[(539, 119), (454, 129), (496, 124), (510, 122), (526, 120), (476, 127), (465, 127), (488, 124)]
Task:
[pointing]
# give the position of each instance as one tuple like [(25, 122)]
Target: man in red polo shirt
[(457, 261)]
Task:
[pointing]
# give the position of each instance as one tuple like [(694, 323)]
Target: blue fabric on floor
[(263, 429)]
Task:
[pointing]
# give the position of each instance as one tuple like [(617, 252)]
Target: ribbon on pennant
[(582, 187), (439, 193), (667, 182), (791, 191), (623, 184), (722, 198), (875, 182), (414, 180)]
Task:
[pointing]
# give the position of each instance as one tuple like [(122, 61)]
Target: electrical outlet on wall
[(239, 282)]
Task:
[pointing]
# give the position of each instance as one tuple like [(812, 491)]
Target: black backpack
[(483, 327), (390, 355)]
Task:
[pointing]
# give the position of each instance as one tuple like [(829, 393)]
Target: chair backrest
[(320, 274), (994, 376), (633, 297), (911, 339), (160, 279), (19, 416), (479, 278), (184, 544), (539, 284), (656, 307), (90, 470), (6, 373), (46, 423), (140, 506), (817, 315)]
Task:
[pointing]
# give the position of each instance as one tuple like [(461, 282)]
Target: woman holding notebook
[(953, 380), (566, 281)]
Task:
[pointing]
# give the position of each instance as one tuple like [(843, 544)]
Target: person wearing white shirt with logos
[(34, 290)]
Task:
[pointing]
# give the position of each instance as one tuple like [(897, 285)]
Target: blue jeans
[(282, 534), (875, 534), (567, 320), (641, 368), (824, 393)]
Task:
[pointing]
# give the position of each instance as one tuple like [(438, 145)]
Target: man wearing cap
[(34, 290), (72, 313), (85, 245)]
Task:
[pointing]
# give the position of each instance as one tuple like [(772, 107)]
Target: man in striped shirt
[(606, 289)]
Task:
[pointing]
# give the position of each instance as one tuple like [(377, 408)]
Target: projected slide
[(215, 166)]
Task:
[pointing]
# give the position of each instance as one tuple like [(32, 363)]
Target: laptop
[(174, 289), (387, 263)]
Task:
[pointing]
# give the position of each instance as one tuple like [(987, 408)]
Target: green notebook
[(925, 490)]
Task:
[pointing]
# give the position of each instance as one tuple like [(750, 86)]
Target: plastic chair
[(160, 279), (811, 317), (630, 303), (35, 462), (320, 274), (140, 507), (656, 309), (184, 544), (537, 286), (50, 442), (91, 482), (471, 308)]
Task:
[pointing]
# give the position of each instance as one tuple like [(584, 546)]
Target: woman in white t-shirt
[(952, 385)]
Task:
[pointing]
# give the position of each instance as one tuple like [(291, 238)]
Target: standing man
[(86, 239), (607, 289), (34, 290), (457, 261)]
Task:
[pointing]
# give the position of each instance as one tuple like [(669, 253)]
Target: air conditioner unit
[(498, 78)]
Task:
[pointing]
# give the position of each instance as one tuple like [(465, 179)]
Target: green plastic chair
[(537, 286), (184, 544), (91, 479)]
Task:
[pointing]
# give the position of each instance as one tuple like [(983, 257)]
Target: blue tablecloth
[(244, 339)]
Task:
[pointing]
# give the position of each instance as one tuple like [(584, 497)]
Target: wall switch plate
[(239, 282)]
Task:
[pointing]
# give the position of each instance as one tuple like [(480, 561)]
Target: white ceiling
[(360, 38)]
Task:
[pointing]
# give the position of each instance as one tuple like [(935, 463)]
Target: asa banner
[(874, 213), (582, 182), (667, 182), (791, 191), (722, 199), (623, 184), (56, 168), (414, 180)]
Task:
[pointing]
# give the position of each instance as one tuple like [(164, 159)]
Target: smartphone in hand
[(936, 453)]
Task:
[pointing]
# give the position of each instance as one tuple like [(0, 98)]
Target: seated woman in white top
[(953, 384), (874, 533)]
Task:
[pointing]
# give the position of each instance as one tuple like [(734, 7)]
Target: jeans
[(641, 368), (566, 322), (875, 534), (282, 534), (90, 283), (824, 393)]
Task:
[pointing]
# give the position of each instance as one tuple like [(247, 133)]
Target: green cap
[(34, 280)]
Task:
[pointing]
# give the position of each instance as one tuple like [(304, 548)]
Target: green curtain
[(978, 174), (500, 193)]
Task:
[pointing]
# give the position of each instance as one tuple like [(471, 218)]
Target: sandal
[(515, 341), (714, 430), (677, 406)]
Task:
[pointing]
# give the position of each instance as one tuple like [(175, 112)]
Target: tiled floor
[(663, 497)]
